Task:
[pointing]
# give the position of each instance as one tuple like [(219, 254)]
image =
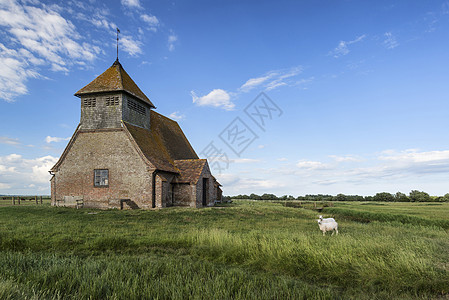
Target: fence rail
[(23, 200)]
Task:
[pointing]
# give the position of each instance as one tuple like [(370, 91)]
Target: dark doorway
[(204, 191)]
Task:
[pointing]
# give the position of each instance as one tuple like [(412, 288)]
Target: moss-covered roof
[(114, 79), (163, 143), (172, 137), (190, 169)]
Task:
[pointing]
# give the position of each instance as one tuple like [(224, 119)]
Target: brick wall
[(184, 195), (101, 115), (129, 176), (211, 192)]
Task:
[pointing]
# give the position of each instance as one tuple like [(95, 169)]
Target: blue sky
[(361, 87)]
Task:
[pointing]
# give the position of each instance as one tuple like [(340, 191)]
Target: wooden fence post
[(18, 200), (35, 199), (13, 200), (41, 199)]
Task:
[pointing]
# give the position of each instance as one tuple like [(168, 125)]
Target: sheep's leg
[(336, 230), (324, 233), (332, 233)]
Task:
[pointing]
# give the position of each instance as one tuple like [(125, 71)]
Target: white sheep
[(326, 220), (328, 226)]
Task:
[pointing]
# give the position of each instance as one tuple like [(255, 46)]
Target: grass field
[(245, 250)]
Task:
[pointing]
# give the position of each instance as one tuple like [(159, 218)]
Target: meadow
[(243, 250)]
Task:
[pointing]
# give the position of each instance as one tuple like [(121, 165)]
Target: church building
[(125, 155)]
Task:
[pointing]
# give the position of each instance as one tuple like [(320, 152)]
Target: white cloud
[(390, 41), (130, 45), (445, 8), (261, 146), (254, 82), (346, 158), (282, 159), (4, 186), (172, 38), (131, 3), (342, 48), (245, 160), (41, 37), (152, 21), (269, 81), (282, 78), (272, 79), (414, 156), (40, 168), (312, 165), (51, 139), (9, 141), (21, 175), (176, 116), (216, 98), (243, 185)]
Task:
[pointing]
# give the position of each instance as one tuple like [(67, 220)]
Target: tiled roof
[(190, 169), (163, 143), (172, 137), (152, 147), (112, 80)]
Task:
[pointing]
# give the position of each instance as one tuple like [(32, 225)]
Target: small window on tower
[(136, 107), (111, 101), (101, 177), (89, 102)]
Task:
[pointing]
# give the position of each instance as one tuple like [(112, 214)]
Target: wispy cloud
[(245, 160), (390, 41), (389, 165), (151, 21), (272, 79), (312, 165), (172, 38), (131, 3), (269, 81), (216, 98), (345, 158), (130, 45), (53, 139), (239, 183), (9, 141), (343, 49), (255, 82), (177, 116)]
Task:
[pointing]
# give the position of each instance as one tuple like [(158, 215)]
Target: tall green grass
[(47, 276), (248, 250)]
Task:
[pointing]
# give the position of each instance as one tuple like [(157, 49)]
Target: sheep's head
[(319, 221), (320, 217)]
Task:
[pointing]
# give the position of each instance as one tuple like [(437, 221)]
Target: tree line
[(413, 196)]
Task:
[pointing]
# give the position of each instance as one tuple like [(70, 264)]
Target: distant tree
[(401, 197), (268, 197), (354, 198), (284, 197), (226, 198), (385, 197), (446, 197), (290, 197), (254, 197), (368, 198), (417, 196), (340, 197)]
